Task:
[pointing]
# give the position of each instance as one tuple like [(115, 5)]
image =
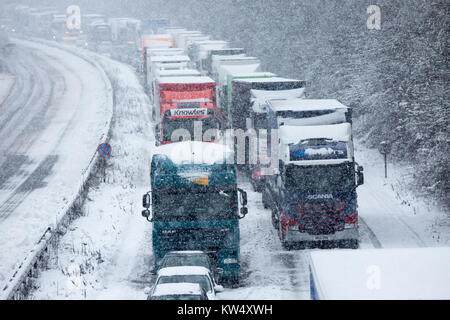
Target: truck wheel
[(353, 244), (231, 283), (287, 245)]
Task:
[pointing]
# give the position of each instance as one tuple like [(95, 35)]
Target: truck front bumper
[(294, 235)]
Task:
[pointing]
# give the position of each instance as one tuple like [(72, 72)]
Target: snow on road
[(6, 82), (107, 254), (57, 113), (392, 213)]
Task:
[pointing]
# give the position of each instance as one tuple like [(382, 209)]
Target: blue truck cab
[(313, 193), (194, 204)]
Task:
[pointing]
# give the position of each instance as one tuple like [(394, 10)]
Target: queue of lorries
[(212, 103), (216, 112)]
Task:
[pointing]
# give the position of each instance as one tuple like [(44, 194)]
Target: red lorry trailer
[(181, 102)]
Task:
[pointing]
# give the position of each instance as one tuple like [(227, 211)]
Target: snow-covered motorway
[(51, 121), (107, 254)]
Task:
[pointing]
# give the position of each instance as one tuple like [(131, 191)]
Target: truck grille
[(319, 218), (198, 239)]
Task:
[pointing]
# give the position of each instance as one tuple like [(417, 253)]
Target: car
[(178, 291), (189, 274)]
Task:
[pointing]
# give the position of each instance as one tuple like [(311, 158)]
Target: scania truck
[(194, 204), (312, 191)]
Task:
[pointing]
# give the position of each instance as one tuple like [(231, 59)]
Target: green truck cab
[(194, 204)]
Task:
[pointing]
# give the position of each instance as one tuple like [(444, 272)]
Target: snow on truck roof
[(173, 73), (264, 80), (180, 288), (183, 270), (187, 79), (194, 152), (254, 75), (335, 132), (260, 97), (305, 104), (397, 274), (177, 58)]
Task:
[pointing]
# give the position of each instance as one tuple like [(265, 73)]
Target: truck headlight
[(230, 260)]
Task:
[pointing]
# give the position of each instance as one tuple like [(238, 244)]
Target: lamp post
[(385, 148)]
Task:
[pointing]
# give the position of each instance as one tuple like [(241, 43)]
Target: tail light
[(351, 221), (288, 221)]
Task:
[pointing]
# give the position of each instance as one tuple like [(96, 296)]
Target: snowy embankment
[(107, 252), (6, 82), (80, 121), (393, 215)]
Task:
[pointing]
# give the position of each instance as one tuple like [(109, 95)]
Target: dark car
[(187, 258)]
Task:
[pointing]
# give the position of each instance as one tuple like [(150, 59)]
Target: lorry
[(226, 69), (198, 51), (207, 63), (125, 34), (163, 62), (187, 39), (154, 26), (194, 204), (159, 41), (149, 52), (180, 37), (239, 97), (181, 101), (98, 37), (312, 188)]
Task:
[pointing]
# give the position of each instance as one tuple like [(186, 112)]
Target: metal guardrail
[(20, 283)]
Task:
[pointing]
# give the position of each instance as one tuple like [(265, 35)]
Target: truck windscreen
[(195, 205), (329, 178), (318, 151)]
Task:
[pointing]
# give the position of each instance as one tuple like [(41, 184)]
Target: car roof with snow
[(181, 288), (183, 270), (305, 104), (336, 132), (194, 152)]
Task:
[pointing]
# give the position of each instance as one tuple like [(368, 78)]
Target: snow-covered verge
[(395, 214), (6, 82), (106, 253), (81, 120)]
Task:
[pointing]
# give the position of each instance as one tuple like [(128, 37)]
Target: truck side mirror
[(146, 201), (244, 196), (360, 176)]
